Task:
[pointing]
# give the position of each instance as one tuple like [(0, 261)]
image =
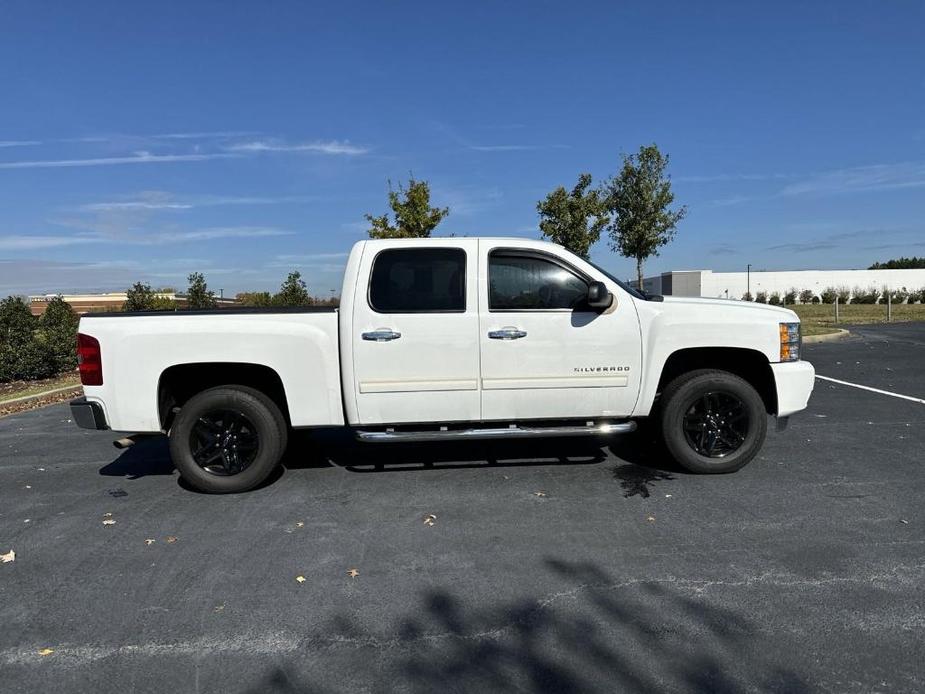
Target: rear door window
[(418, 280)]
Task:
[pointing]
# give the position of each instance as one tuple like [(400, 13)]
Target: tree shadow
[(594, 633)]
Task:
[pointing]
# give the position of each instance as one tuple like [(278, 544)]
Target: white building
[(733, 285)]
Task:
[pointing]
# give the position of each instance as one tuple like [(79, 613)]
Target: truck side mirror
[(598, 296)]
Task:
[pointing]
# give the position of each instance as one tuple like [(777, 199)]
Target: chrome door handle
[(507, 333), (381, 335)]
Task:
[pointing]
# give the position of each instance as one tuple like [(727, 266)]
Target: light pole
[(748, 279)]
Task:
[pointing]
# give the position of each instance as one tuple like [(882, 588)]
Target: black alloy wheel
[(224, 442), (716, 424)]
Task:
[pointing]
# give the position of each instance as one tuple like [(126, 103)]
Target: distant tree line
[(845, 295), (913, 263)]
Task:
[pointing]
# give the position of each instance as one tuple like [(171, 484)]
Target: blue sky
[(148, 140)]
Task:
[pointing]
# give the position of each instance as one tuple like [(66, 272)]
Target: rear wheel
[(227, 439), (712, 421)]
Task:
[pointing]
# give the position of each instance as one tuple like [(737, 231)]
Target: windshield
[(623, 285)]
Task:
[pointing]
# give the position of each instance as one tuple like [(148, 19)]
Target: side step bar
[(512, 432)]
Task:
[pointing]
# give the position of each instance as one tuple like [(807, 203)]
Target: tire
[(227, 439), (712, 421)]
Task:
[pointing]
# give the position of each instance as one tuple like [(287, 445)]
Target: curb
[(36, 396), (827, 337)]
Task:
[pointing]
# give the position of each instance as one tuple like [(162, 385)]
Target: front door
[(415, 333), (545, 354)]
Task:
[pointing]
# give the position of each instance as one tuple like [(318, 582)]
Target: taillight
[(89, 362)]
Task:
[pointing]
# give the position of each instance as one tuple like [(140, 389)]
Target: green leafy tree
[(639, 201), (573, 219), (58, 329), (140, 297), (198, 294), (414, 216), (292, 292), (17, 324)]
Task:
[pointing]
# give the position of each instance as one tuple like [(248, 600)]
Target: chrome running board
[(512, 432)]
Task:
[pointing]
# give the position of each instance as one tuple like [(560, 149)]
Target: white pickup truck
[(446, 339)]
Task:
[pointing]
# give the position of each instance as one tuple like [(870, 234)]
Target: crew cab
[(446, 339)]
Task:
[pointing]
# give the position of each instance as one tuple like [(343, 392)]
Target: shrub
[(761, 297), (747, 296), (16, 321), (58, 331), (790, 298), (844, 295), (27, 361), (774, 299), (865, 296), (899, 296), (920, 295), (807, 296), (828, 295)]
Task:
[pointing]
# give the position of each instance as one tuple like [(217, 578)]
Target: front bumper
[(88, 414), (794, 381)]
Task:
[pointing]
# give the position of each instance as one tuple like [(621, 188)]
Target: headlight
[(790, 341)]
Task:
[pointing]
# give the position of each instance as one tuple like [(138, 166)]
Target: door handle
[(507, 333), (381, 335)]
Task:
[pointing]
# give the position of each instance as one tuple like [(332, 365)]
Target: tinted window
[(415, 280), (525, 283)]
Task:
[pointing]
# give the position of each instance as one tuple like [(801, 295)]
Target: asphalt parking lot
[(557, 566)]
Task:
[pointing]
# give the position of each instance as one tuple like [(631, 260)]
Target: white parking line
[(872, 390)]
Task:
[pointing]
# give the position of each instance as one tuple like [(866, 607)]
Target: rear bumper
[(88, 414), (794, 382)]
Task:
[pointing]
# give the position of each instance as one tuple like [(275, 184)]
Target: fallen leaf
[(219, 608), (41, 469), (171, 539), (46, 651), (353, 573), (28, 486), (8, 557), (300, 579), (667, 496), (539, 493), (300, 524), (904, 521), (650, 519), (429, 519), (109, 521), (149, 541), (107, 515)]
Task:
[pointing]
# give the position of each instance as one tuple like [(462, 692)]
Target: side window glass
[(528, 283), (418, 280)]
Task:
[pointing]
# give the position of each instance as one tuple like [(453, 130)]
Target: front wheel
[(227, 439), (712, 421)]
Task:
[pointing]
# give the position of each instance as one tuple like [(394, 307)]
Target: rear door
[(544, 352), (415, 333)]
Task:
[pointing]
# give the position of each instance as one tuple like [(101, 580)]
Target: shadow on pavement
[(594, 634)]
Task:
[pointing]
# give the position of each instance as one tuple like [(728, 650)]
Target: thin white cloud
[(21, 242), (861, 179), (217, 233), (312, 257), (138, 158), (167, 202), (341, 147), (513, 148), (202, 135), (19, 143)]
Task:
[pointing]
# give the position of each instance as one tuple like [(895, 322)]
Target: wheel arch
[(749, 364), (178, 383)]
